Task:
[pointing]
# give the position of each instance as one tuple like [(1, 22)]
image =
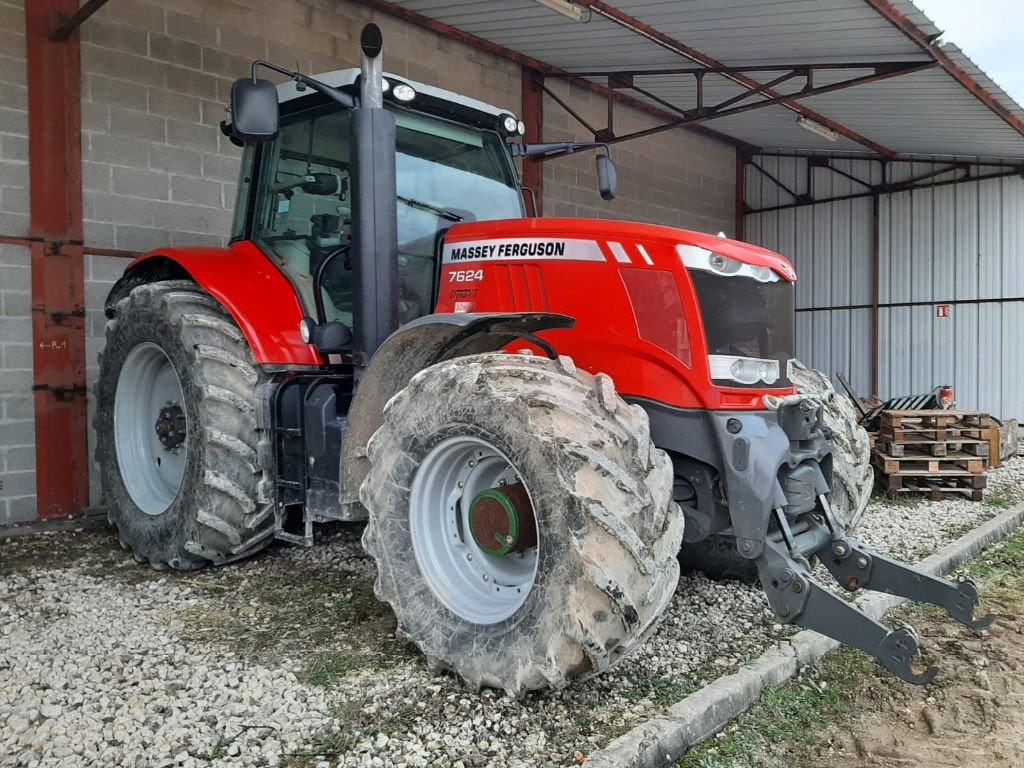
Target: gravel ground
[(289, 660)]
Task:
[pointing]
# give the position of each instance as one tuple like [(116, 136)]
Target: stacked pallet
[(935, 453)]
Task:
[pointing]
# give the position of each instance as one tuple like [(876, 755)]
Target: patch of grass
[(326, 668), (998, 501), (786, 726), (785, 717), (1002, 563), (661, 689)]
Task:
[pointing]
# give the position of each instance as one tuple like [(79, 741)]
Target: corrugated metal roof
[(928, 112)]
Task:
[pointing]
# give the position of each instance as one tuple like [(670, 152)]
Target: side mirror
[(607, 177), (254, 110), (321, 184), (330, 338)]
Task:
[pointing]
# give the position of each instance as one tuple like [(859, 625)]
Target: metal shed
[(884, 162)]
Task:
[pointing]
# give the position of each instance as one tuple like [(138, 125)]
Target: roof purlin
[(624, 19)]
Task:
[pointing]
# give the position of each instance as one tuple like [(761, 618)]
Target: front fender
[(417, 345), (248, 285)]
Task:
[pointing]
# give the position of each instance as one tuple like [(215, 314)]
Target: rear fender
[(417, 345), (248, 285)]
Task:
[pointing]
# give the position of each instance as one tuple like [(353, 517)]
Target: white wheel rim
[(151, 472), (472, 584)]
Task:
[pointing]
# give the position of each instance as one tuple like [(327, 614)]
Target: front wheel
[(521, 520), (176, 430)]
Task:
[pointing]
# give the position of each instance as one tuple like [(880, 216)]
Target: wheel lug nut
[(470, 557), (461, 484), (486, 577)]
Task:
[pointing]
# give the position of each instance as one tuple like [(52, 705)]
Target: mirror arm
[(555, 149), (318, 298), (333, 93)]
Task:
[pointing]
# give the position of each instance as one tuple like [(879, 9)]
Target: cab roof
[(346, 78)]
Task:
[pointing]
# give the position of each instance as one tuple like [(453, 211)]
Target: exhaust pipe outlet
[(374, 207)]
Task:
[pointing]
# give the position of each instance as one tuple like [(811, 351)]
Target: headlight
[(695, 257), (508, 125), (404, 92), (521, 127), (743, 370), (306, 329)]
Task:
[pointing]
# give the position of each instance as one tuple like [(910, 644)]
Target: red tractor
[(351, 356)]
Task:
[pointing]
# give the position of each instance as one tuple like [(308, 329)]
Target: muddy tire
[(604, 562), (852, 480), (176, 361), (852, 476)]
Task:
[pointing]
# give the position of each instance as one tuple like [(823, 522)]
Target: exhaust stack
[(374, 215)]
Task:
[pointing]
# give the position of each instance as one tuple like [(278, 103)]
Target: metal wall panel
[(946, 244)]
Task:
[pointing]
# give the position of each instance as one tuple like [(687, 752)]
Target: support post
[(533, 118), (741, 194), (875, 293), (58, 281)]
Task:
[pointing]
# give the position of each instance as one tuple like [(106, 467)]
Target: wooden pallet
[(935, 419), (963, 484), (936, 491), (932, 434), (915, 444), (955, 462), (934, 453)]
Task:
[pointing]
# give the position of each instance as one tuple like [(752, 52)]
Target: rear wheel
[(176, 430), (521, 520), (852, 480)]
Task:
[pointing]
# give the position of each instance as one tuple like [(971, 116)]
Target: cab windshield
[(446, 173)]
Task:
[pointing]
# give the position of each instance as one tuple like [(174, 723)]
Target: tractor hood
[(599, 240)]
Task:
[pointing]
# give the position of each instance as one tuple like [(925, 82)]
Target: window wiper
[(441, 212)]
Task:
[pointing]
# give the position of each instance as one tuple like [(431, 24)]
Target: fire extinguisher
[(945, 397)]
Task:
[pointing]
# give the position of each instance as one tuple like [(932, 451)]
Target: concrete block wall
[(155, 79), (157, 171), (17, 427)]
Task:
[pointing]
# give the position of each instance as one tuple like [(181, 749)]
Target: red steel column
[(533, 118), (58, 284)]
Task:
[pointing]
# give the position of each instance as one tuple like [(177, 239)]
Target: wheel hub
[(466, 500), (501, 520), (170, 426)]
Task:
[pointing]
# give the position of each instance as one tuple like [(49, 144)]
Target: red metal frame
[(58, 281), (480, 43), (888, 11), (646, 30), (73, 22), (533, 118)]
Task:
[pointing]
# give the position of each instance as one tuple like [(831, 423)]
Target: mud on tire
[(215, 516), (608, 529), (852, 480)]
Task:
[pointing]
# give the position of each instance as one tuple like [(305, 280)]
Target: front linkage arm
[(796, 597), (781, 528)]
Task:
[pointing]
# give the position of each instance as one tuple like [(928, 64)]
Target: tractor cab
[(296, 197)]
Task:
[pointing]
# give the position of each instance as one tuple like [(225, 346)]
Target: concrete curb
[(658, 742)]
